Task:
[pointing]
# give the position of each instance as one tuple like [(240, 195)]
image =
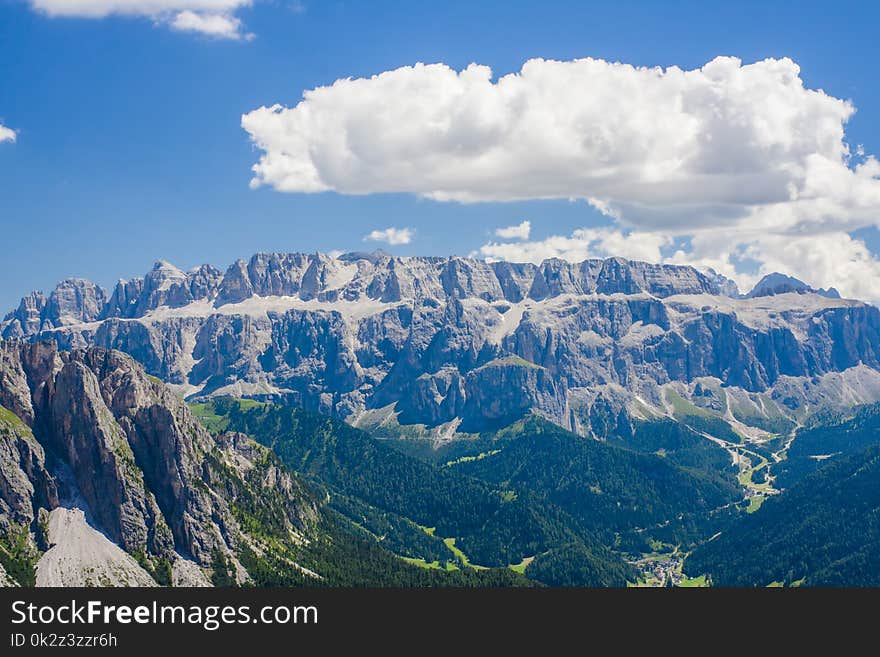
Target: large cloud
[(645, 144), (214, 18), (6, 134), (741, 162)]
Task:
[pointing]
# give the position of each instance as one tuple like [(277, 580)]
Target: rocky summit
[(462, 344), (88, 440)]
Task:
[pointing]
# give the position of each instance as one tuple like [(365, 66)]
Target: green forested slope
[(824, 530), (826, 439), (602, 486), (394, 496)]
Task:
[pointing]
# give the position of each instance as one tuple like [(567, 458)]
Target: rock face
[(73, 301), (126, 449), (455, 339), (25, 484), (726, 286)]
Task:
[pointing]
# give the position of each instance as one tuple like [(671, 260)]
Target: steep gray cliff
[(89, 428), (452, 339)]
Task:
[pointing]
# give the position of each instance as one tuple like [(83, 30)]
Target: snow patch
[(260, 307), (508, 321), (248, 389)]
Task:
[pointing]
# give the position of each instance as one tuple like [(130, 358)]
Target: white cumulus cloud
[(520, 231), (215, 25), (7, 134), (213, 18), (741, 162), (393, 236), (650, 145), (833, 259)]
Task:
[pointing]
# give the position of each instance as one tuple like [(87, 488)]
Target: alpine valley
[(369, 420)]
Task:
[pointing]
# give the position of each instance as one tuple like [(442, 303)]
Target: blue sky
[(129, 143)]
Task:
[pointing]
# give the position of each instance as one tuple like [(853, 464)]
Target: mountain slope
[(372, 482), (80, 555), (532, 491), (828, 438), (94, 435), (107, 478), (824, 530), (608, 488)]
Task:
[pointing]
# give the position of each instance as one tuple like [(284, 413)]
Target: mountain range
[(420, 421), (456, 343)]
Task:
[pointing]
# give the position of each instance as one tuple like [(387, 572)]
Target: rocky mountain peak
[(27, 319), (726, 286), (127, 452), (351, 277), (348, 335), (74, 300), (777, 283)]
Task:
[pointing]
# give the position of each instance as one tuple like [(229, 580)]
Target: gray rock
[(350, 334), (152, 479), (726, 286), (74, 300), (125, 299), (25, 484), (27, 319)]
